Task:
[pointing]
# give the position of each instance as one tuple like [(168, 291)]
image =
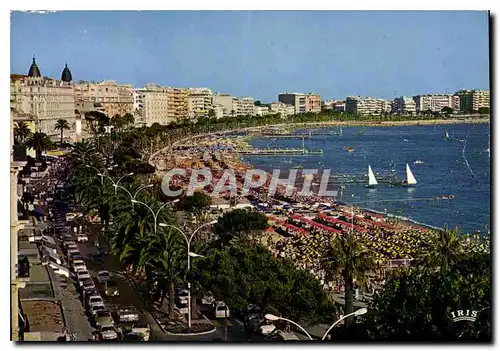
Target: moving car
[(103, 276), (128, 314), (133, 337), (280, 335), (103, 318), (82, 238), (141, 328), (111, 288)]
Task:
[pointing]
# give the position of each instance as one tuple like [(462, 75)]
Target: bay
[(444, 170)]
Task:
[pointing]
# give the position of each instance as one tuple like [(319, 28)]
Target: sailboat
[(410, 179), (446, 135), (372, 181)]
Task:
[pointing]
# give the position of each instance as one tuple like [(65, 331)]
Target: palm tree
[(21, 131), (347, 258), (164, 257), (61, 125), (39, 142), (128, 119), (443, 250)]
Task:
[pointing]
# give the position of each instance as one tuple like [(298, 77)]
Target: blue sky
[(262, 53)]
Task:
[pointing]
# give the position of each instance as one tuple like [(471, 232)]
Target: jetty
[(281, 152)]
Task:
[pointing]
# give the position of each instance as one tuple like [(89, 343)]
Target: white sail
[(446, 134), (410, 179), (371, 177), (340, 130)]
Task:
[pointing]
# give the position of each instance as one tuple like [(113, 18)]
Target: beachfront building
[(473, 100), (108, 97), (177, 103), (367, 105), (219, 111), (302, 102), (225, 101), (44, 99), (339, 106), (434, 102), (281, 108), (261, 110), (243, 106), (151, 105), (199, 102), (404, 106), (327, 105)]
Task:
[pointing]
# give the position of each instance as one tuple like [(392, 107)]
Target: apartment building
[(302, 102), (473, 100), (367, 105), (177, 103), (327, 105), (282, 108), (110, 97), (243, 106), (261, 110), (434, 102), (44, 99), (151, 105), (225, 101), (339, 106), (199, 102), (404, 105), (219, 111)]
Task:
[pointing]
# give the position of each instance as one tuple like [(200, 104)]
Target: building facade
[(261, 110), (243, 106), (301, 102), (45, 100), (108, 97), (151, 105), (367, 105), (177, 103), (199, 102), (404, 105), (225, 103), (282, 108), (434, 102), (473, 100)]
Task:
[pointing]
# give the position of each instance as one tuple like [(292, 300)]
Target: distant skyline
[(259, 54)]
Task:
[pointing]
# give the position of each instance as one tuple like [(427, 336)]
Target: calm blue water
[(443, 172)]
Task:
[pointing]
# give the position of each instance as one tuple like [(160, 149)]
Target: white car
[(95, 300), (82, 238), (108, 333), (128, 314), (96, 307), (78, 265), (87, 284), (267, 327), (221, 310), (81, 275), (103, 276)]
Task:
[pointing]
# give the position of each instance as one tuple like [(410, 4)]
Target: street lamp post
[(189, 255), (359, 312), (140, 189), (155, 214), (98, 172), (117, 183), (272, 317)]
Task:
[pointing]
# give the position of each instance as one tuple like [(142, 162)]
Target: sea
[(458, 166)]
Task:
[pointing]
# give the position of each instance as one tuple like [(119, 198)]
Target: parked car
[(128, 314), (59, 270), (81, 275), (111, 288), (95, 308), (75, 255), (103, 276), (87, 284), (94, 300), (82, 238), (78, 265), (221, 310), (103, 318), (108, 333)]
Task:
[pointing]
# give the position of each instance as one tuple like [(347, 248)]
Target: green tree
[(196, 203), (239, 224), (39, 142), (447, 110), (484, 110), (417, 305), (443, 250), (21, 131), (348, 259), (62, 125)]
